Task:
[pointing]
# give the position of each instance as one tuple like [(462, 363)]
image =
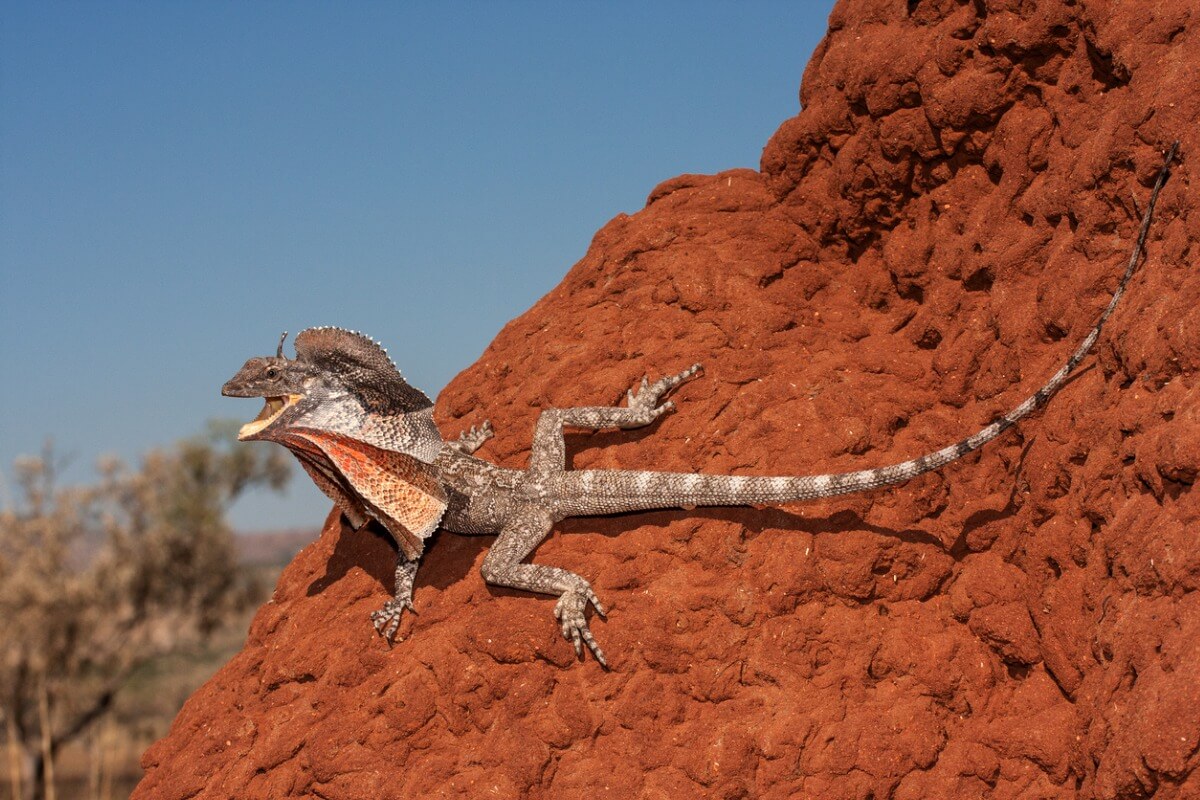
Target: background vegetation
[(117, 599)]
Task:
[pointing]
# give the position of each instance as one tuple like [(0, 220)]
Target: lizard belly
[(480, 496)]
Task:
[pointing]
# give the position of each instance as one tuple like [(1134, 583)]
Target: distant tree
[(97, 580)]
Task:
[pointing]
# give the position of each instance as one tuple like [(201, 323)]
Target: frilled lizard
[(369, 441)]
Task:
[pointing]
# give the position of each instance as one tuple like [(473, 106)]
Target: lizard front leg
[(549, 450), (387, 619), (524, 531)]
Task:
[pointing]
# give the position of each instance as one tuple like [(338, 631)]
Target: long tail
[(612, 491)]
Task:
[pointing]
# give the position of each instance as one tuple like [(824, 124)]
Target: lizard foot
[(570, 613), (387, 619), (645, 400), (472, 440)]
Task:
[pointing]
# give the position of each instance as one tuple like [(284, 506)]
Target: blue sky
[(179, 182)]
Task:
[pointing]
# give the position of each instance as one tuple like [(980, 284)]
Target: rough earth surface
[(923, 246)]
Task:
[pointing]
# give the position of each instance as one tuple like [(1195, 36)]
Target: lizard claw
[(570, 613), (387, 619)]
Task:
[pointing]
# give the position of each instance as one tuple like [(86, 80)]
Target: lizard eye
[(272, 372)]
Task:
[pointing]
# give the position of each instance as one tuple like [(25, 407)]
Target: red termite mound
[(925, 243)]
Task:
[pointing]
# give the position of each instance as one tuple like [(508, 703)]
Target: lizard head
[(283, 382), (338, 378)]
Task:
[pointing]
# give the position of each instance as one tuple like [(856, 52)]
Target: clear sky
[(179, 182)]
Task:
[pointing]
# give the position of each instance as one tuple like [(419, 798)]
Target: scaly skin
[(368, 440)]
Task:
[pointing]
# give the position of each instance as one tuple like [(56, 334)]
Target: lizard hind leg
[(502, 566), (642, 408)]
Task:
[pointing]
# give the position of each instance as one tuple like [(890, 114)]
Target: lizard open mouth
[(270, 412)]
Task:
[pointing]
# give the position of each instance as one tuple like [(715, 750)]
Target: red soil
[(924, 245)]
